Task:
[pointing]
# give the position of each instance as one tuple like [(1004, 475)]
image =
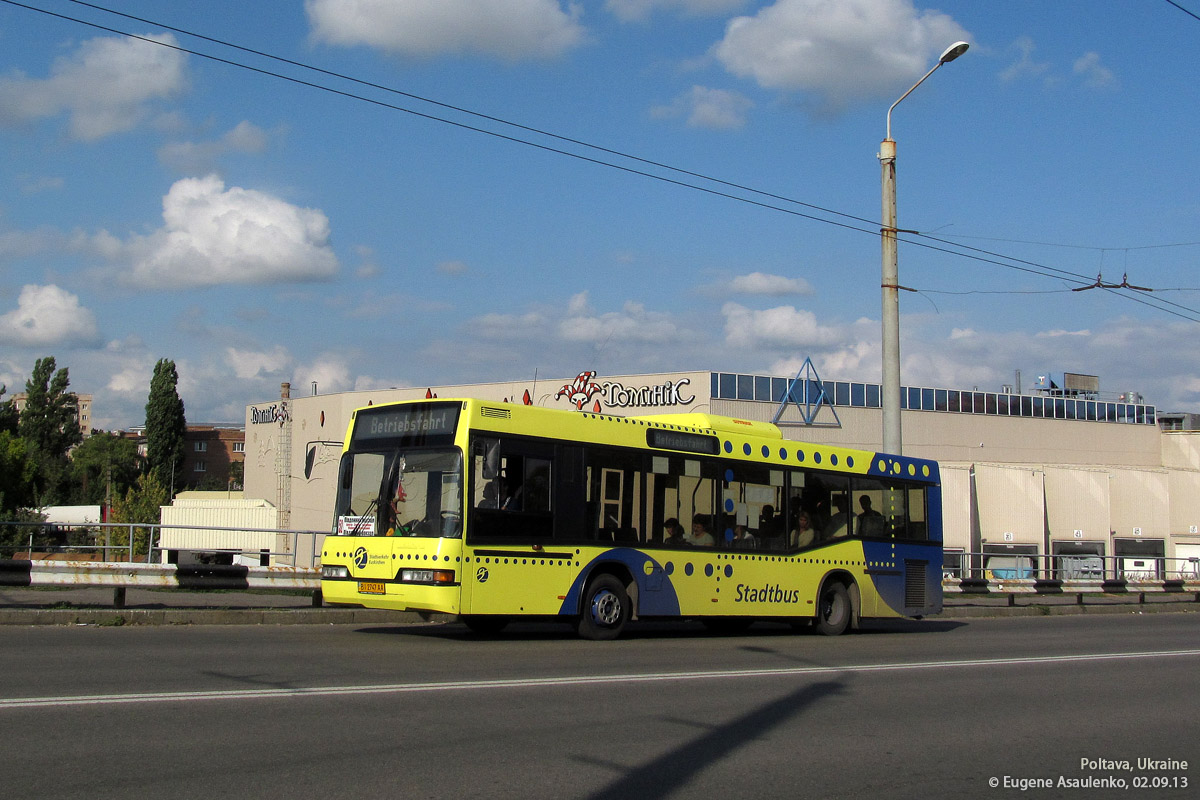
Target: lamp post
[(892, 442)]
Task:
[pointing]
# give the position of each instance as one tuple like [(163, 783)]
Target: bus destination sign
[(406, 422), (681, 440)]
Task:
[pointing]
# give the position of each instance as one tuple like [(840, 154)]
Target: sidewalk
[(95, 606)]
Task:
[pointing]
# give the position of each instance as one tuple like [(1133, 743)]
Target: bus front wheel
[(833, 610), (605, 609)]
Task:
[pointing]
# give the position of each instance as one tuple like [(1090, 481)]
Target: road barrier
[(190, 577), (122, 575), (1012, 588)]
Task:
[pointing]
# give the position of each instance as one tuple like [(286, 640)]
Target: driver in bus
[(394, 505)]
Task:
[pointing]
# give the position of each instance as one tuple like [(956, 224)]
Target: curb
[(211, 616), (976, 612)]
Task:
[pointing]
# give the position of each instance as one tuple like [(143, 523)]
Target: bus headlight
[(434, 576), (334, 571)]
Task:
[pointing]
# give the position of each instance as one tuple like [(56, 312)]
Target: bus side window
[(536, 486)]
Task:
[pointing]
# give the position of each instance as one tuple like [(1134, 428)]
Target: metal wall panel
[(1011, 505), (1077, 499), (1139, 506), (956, 506), (1185, 502)]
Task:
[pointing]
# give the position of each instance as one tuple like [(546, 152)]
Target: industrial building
[(1059, 477)]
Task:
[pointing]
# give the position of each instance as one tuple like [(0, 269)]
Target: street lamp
[(890, 284)]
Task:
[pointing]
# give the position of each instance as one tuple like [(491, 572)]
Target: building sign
[(585, 390), (270, 415)]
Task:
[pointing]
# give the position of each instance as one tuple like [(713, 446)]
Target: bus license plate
[(369, 587)]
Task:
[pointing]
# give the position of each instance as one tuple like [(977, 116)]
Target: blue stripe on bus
[(656, 594)]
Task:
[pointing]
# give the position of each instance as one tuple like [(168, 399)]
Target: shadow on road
[(541, 631), (674, 769)]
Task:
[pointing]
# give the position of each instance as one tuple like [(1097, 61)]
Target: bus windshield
[(401, 492)]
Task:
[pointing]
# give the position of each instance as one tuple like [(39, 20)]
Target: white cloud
[(250, 364), (504, 327), (761, 283), (703, 107), (213, 235), (633, 323), (1057, 332), (1025, 65), (331, 373), (46, 183), (200, 157), (105, 87), (47, 315), (840, 52), (452, 267), (509, 29), (129, 366), (628, 10), (578, 304), (784, 327), (1095, 75)]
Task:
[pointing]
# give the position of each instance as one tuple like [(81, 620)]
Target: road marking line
[(579, 680)]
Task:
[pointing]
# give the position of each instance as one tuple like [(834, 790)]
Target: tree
[(16, 492), (141, 504), (16, 475), (104, 461), (8, 413), (49, 424), (165, 427)]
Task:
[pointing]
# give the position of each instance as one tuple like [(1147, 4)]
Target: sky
[(408, 193)]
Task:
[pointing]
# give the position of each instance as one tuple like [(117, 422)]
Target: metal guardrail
[(142, 542), (999, 565)]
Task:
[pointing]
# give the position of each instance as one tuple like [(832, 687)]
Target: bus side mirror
[(489, 451)]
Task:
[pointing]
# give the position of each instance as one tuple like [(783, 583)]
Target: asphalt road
[(907, 709)]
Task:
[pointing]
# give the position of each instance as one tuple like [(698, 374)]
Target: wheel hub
[(606, 608)]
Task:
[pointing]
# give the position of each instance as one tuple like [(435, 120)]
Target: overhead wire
[(1191, 14), (976, 254)]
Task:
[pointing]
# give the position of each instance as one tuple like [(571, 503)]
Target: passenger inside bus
[(870, 521), (673, 533), (742, 539), (802, 534), (700, 537), (839, 524)]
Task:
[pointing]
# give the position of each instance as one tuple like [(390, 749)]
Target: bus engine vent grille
[(495, 413), (914, 584)]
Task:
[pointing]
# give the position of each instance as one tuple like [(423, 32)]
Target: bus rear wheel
[(606, 609), (833, 610)]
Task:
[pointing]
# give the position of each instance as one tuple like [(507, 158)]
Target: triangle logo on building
[(807, 392)]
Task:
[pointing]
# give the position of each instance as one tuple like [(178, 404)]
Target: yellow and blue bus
[(495, 511)]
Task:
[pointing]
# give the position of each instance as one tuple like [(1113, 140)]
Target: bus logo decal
[(481, 574), (360, 557)]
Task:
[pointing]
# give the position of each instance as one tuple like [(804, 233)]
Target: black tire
[(834, 610), (606, 609), (483, 625)]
